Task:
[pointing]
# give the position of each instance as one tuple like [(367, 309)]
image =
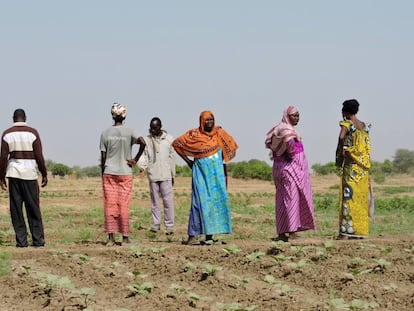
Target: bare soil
[(315, 273)]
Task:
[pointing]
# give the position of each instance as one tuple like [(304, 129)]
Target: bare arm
[(103, 161), (187, 160), (340, 153), (142, 144)]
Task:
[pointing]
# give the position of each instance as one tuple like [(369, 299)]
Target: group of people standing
[(206, 149)]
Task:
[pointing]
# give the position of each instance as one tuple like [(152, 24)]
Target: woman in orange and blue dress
[(353, 159), (209, 147)]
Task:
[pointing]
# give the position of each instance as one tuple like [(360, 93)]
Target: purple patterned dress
[(294, 202)]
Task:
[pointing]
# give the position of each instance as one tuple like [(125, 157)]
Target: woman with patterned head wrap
[(116, 164), (353, 159), (210, 147), (293, 200)]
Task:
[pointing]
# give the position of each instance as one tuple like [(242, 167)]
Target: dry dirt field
[(158, 273)]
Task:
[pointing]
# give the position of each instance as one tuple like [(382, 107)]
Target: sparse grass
[(5, 259), (68, 221)]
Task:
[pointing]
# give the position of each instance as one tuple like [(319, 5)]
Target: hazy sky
[(66, 62)]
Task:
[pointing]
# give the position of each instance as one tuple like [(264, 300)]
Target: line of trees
[(402, 163)]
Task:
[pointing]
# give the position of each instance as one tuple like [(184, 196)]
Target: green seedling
[(329, 245), (210, 270), (381, 264), (82, 258), (136, 251), (281, 258), (189, 266), (255, 255), (178, 288), (232, 249), (391, 287), (85, 292), (241, 279), (157, 250), (271, 280), (194, 296), (297, 265), (143, 289)]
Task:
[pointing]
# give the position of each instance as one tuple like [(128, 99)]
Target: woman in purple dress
[(293, 201)]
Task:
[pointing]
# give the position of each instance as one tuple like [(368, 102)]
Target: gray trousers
[(164, 190)]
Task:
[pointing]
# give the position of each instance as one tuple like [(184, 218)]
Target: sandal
[(295, 237), (341, 237), (209, 242), (192, 240), (281, 237)]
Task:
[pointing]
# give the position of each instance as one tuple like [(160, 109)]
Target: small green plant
[(410, 250), (297, 265), (157, 250), (232, 249), (271, 280), (285, 289), (358, 304), (329, 245), (255, 255), (241, 279), (298, 249), (276, 248), (51, 281), (136, 251), (281, 258), (85, 293), (380, 265), (356, 262), (210, 270), (178, 288), (339, 303), (194, 296), (189, 266), (143, 289), (115, 264), (82, 258), (134, 273), (391, 287)]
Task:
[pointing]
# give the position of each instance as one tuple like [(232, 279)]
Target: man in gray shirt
[(159, 162)]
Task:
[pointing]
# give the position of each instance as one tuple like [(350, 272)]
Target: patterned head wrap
[(203, 117), (118, 110), (279, 135), (198, 143)]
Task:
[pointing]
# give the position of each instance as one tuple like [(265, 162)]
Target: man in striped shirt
[(20, 158)]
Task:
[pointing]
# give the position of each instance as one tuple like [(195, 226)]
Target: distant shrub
[(59, 169)]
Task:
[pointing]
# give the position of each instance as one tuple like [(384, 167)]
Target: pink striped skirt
[(117, 191)]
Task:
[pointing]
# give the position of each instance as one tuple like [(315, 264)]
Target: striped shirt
[(21, 153)]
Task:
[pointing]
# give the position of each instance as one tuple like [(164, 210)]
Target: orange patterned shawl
[(200, 144)]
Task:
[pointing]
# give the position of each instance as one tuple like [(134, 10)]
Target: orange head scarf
[(198, 143)]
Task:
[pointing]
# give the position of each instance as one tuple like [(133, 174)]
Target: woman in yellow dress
[(353, 159)]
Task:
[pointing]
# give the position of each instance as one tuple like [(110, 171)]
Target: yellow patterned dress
[(354, 190)]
